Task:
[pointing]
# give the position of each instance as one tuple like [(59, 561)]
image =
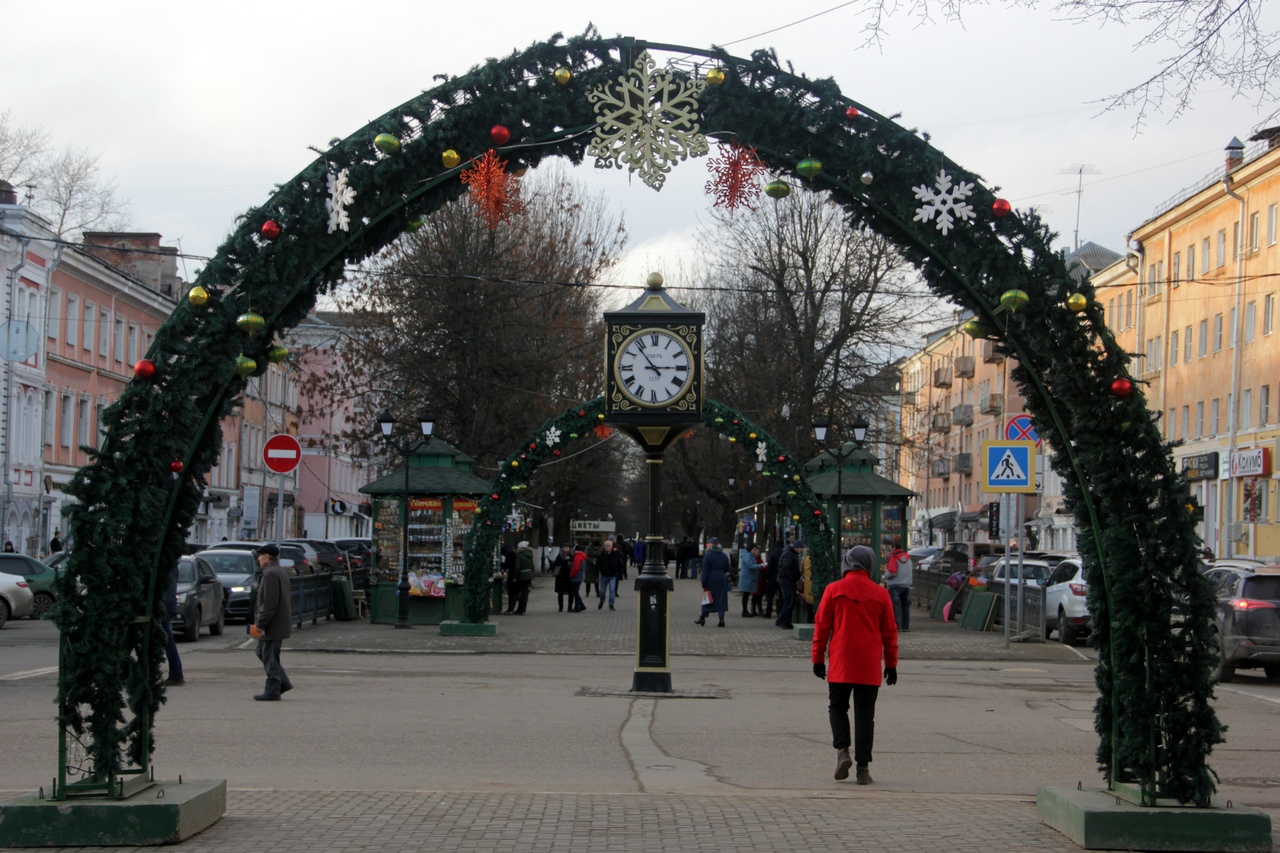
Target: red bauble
[(533, 445), (144, 369), (817, 513), (522, 456), (1121, 387), (735, 421), (582, 413), (555, 453), (496, 496), (271, 229), (782, 458), (851, 113), (499, 134), (1001, 207), (176, 466)]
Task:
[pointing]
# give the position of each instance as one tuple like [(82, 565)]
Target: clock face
[(654, 367)]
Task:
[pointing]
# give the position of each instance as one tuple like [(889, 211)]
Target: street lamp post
[(821, 426), (387, 424)]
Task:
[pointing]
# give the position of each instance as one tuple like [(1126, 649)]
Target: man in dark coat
[(788, 576), (524, 577), (715, 581), (611, 564), (771, 579), (509, 569), (272, 622)]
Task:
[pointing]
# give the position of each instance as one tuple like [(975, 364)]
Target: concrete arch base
[(1098, 819), (164, 813)]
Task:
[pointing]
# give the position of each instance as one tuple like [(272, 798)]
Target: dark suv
[(331, 557), (1248, 619)]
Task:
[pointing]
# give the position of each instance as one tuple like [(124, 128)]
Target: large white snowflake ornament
[(340, 197), (553, 437), (762, 452), (648, 122), (943, 202)]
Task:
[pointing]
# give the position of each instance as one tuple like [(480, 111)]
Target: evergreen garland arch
[(1153, 611)]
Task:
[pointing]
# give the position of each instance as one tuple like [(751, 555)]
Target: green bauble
[(1015, 300), (277, 353), (809, 167), (386, 143), (974, 329), (415, 223), (250, 323), (245, 365), (777, 189)]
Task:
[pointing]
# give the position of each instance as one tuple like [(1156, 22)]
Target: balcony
[(962, 463), (942, 377), (941, 422), (941, 468), (908, 398), (993, 404), (989, 354), (964, 367), (962, 415)]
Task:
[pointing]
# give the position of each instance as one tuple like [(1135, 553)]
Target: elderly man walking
[(855, 623), (272, 622)]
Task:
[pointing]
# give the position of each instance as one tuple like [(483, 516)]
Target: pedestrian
[(55, 544), (637, 553), (624, 556), (771, 590), (682, 558), (509, 569), (897, 575), (272, 622), (592, 568), (788, 581), (855, 629), (576, 574), (748, 579), (611, 564), (563, 567), (8, 546), (175, 678), (715, 582), (524, 576)]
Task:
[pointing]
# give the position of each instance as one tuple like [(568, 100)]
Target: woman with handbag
[(715, 582)]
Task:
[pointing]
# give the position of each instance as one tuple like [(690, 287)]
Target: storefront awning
[(944, 520)]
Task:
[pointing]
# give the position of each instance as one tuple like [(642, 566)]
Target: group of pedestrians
[(579, 569)]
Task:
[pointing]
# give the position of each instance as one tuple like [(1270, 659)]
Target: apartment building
[(1203, 282)]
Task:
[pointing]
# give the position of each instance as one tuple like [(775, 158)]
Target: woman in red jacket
[(855, 622)]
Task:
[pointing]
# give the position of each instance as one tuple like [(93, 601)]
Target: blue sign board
[(1009, 466), (1019, 428)]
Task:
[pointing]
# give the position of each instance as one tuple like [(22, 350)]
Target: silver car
[(16, 599)]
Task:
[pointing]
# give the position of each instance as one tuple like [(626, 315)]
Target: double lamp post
[(388, 424), (821, 426)]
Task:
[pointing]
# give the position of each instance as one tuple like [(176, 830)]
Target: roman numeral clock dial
[(654, 367)]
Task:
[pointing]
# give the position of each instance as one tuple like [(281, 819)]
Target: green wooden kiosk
[(872, 509), (443, 496)]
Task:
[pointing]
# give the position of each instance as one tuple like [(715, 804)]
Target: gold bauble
[(777, 189), (450, 159), (250, 322), (197, 296), (245, 365), (277, 353), (386, 143), (795, 518), (1077, 302), (563, 76), (654, 280), (715, 76), (1015, 300), (974, 329)]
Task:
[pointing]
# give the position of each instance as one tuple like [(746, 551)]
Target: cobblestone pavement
[(544, 630)]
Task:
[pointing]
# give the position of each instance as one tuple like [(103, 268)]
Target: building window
[(1250, 321), (1111, 311), (1215, 412), (1268, 313), (119, 342), (1222, 248), (1235, 241), (100, 428), (85, 411), (1186, 349), (50, 418), (1264, 405), (1128, 309), (1204, 337), (1204, 255), (1271, 225), (1171, 426), (1191, 262), (67, 415), (1255, 232), (1200, 419), (1217, 333), (1234, 335), (1173, 347), (1158, 352), (89, 326), (1186, 421), (104, 333), (1246, 408), (1151, 281), (55, 314), (1177, 267), (133, 344), (73, 321)]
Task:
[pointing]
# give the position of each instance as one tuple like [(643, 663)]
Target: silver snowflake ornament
[(945, 202), (553, 437), (340, 197), (762, 451), (648, 122)]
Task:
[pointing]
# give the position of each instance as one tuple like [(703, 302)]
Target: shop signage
[(1251, 463), (426, 503), (1201, 467), (465, 505)]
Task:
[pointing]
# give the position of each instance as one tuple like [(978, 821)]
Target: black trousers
[(864, 718), (521, 598)]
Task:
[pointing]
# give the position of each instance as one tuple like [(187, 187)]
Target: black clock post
[(653, 393)]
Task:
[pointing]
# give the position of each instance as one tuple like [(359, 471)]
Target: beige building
[(1203, 281)]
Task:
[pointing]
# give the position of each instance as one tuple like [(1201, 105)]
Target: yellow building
[(1203, 278)]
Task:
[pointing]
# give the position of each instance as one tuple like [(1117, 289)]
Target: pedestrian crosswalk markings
[(1008, 470), (1008, 466)]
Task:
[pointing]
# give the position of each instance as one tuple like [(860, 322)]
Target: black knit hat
[(270, 550)]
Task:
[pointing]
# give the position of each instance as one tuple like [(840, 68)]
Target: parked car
[(329, 557), (919, 555), (199, 599), (292, 555), (1066, 603), (1248, 623), (1033, 571), (15, 598), (238, 571), (359, 552), (40, 577)]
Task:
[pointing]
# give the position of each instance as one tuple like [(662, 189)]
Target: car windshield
[(186, 571), (231, 564), (1262, 588)]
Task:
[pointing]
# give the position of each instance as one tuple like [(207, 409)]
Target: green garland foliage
[(1153, 613)]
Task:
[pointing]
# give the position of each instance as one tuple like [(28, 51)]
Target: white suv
[(1066, 601)]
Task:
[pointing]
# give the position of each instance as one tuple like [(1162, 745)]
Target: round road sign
[(282, 453)]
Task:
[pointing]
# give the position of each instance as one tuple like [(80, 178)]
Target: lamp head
[(820, 427), (386, 423), (859, 426), (427, 422)]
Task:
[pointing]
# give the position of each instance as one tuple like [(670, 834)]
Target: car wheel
[(4, 613), (192, 632), (39, 607), (215, 630), (1224, 673), (1065, 635)]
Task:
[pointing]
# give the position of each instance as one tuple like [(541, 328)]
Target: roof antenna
[(1079, 170)]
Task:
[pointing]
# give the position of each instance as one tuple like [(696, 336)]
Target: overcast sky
[(199, 108)]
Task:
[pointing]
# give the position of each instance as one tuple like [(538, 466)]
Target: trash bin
[(344, 603)]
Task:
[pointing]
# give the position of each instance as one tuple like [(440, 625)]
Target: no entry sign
[(282, 453)]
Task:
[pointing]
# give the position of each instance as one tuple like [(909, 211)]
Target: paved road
[(405, 740)]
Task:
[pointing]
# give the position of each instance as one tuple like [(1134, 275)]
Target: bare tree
[(67, 187)]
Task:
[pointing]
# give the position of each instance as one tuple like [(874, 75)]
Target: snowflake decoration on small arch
[(735, 177), (340, 198), (648, 122), (944, 201), (553, 437), (762, 451), (492, 189)]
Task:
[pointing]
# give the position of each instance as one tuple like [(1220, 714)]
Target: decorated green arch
[(608, 99)]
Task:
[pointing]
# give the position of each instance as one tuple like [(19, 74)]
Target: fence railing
[(310, 597)]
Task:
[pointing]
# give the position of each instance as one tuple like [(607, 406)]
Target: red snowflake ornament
[(735, 177), (494, 191)]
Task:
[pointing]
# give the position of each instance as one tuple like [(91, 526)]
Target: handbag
[(706, 597)]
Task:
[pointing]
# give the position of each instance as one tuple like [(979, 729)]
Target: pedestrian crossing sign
[(1008, 466)]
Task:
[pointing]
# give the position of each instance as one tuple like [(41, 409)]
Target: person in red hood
[(855, 626)]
